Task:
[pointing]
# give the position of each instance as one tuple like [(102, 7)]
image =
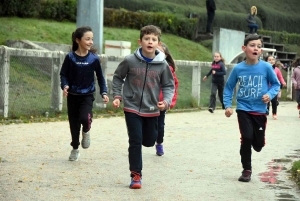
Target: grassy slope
[(60, 32)]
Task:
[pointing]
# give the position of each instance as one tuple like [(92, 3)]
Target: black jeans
[(210, 18), (253, 28), (141, 131), (161, 127), (252, 129), (274, 105), (80, 112), (214, 88)]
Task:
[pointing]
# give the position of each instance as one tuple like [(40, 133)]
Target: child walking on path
[(254, 92), (145, 72), (78, 85), (217, 84), (270, 59), (296, 81), (161, 119)]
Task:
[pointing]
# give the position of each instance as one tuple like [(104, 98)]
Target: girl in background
[(78, 85), (161, 119), (296, 81), (270, 59), (217, 71)]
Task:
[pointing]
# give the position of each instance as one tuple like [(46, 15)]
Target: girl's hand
[(204, 79), (66, 91), (105, 99), (213, 72)]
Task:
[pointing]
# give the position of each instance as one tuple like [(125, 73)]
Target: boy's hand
[(228, 112), (266, 98), (105, 99), (66, 91), (161, 106), (116, 103)]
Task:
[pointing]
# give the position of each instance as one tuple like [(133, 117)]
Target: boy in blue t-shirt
[(257, 85)]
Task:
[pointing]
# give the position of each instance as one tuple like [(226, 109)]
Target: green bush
[(20, 8), (282, 37), (59, 10)]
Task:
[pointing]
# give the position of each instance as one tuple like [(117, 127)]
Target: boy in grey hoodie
[(143, 73)]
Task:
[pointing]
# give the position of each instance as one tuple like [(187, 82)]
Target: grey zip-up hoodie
[(142, 82)]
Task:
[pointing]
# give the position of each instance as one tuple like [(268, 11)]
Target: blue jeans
[(161, 127), (141, 131), (253, 28)]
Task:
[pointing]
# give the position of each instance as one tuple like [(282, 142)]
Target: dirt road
[(201, 161)]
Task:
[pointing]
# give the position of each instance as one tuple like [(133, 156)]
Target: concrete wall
[(228, 42)]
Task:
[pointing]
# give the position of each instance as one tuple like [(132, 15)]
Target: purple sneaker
[(159, 149)]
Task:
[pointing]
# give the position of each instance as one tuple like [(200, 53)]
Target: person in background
[(210, 8), (143, 73), (161, 119), (258, 84), (296, 81), (78, 85), (217, 71), (251, 20), (270, 59)]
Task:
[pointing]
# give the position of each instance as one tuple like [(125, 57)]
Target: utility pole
[(90, 13)]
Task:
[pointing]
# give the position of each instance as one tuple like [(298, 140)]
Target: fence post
[(289, 86), (98, 98), (196, 82), (4, 80), (56, 95)]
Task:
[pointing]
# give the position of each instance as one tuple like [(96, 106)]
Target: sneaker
[(274, 116), (85, 142), (246, 176), (211, 110), (136, 181), (74, 155), (159, 149)]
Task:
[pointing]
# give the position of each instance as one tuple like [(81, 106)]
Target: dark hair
[(251, 37), (150, 29), (268, 56), (78, 34), (296, 62), (169, 57)]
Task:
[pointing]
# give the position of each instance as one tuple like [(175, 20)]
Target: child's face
[(86, 42), (149, 44), (271, 60), (217, 57), (253, 50)]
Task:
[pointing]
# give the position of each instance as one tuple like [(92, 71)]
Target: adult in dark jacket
[(210, 7)]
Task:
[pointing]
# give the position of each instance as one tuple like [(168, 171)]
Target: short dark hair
[(251, 37), (150, 29)]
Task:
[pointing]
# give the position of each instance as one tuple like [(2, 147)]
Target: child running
[(78, 85), (161, 119), (143, 73), (253, 77), (270, 59), (217, 84), (296, 81)]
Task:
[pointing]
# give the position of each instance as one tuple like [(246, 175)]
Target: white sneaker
[(85, 142), (74, 155)]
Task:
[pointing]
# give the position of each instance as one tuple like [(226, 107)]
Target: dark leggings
[(274, 105), (80, 113)]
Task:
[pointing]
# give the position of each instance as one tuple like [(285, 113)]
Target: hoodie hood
[(159, 56)]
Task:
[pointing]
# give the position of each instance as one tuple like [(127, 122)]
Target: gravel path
[(201, 160)]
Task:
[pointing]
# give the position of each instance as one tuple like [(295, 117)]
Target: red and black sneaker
[(246, 176)]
